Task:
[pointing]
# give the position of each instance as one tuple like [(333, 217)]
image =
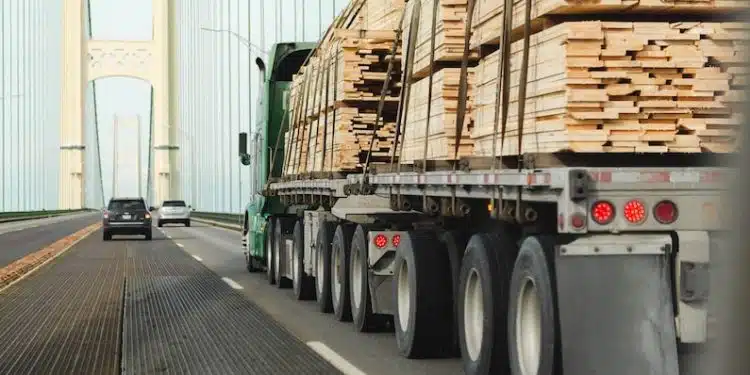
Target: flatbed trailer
[(604, 270)]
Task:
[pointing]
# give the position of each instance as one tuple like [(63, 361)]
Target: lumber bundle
[(334, 100), (488, 14), (441, 140), (621, 87), (379, 15), (450, 30)]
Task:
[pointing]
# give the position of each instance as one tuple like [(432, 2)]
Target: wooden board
[(621, 87), (450, 30), (334, 98), (488, 14), (442, 128)]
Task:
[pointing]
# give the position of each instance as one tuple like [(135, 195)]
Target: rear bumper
[(127, 228), (174, 219)]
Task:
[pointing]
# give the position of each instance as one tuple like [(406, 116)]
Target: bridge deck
[(140, 307)]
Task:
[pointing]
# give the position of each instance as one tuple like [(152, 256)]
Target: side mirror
[(151, 208), (243, 144)]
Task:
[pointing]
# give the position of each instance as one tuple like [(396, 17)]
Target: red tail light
[(106, 214), (665, 212), (634, 211), (380, 241), (602, 212), (396, 240)]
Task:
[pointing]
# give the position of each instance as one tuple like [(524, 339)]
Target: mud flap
[(615, 306)]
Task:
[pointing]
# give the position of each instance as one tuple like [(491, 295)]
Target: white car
[(174, 211)]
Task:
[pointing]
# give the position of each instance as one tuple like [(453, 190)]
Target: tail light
[(380, 241), (148, 216), (665, 212), (106, 214), (634, 211), (602, 212), (396, 240)]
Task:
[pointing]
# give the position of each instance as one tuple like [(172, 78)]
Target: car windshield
[(174, 204), (124, 205)]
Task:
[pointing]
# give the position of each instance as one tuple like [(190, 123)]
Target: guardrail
[(6, 217), (219, 217)]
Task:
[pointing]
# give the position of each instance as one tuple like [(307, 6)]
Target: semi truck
[(558, 265)]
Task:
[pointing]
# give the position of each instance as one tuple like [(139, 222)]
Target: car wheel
[(187, 223), (159, 224), (148, 235), (106, 236)]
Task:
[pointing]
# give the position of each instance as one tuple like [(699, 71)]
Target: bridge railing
[(233, 219), (6, 217)]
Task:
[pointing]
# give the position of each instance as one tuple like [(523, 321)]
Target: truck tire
[(362, 315), (340, 251), (323, 267), (422, 294), (283, 228), (483, 303), (302, 284), (532, 324), (455, 242), (270, 249), (250, 263)]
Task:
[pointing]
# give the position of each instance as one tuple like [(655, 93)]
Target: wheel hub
[(356, 279), (319, 271), (473, 314), (528, 328), (336, 275), (404, 296)]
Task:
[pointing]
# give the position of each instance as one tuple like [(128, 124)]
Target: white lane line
[(232, 283), (180, 245), (334, 358), (198, 258)]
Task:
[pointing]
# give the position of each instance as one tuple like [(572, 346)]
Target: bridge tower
[(85, 60)]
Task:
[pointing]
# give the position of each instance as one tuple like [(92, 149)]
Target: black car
[(127, 216)]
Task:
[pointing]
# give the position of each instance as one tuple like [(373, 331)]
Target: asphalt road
[(18, 239), (373, 354)]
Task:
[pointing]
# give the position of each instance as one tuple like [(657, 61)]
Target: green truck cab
[(284, 60)]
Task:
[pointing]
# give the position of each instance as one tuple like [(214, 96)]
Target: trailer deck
[(138, 307)]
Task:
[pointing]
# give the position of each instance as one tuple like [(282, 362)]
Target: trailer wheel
[(283, 225), (483, 303), (362, 315), (455, 244), (532, 328), (422, 294), (323, 266), (270, 249), (340, 252), (301, 283)]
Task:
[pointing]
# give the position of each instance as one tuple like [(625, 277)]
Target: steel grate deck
[(140, 307)]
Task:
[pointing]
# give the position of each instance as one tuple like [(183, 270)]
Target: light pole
[(241, 38)]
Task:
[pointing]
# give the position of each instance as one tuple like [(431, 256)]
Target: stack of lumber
[(620, 87), (488, 16), (450, 31), (441, 141), (379, 15), (334, 97)]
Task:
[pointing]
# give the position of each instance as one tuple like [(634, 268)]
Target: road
[(374, 354), (182, 303), (20, 238)]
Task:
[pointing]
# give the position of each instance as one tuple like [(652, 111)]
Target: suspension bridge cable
[(96, 118)]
